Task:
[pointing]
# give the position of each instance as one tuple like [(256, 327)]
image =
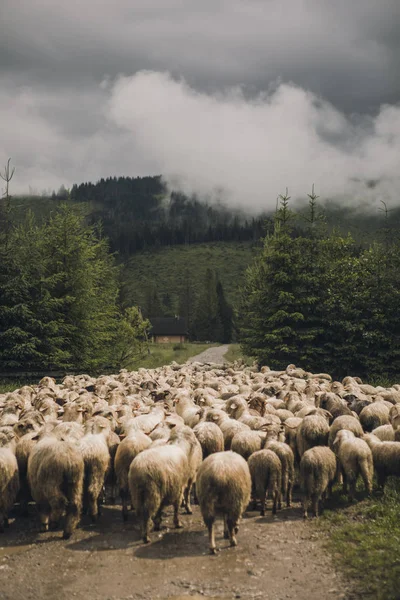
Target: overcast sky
[(242, 98)]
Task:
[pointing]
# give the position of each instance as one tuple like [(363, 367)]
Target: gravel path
[(277, 558), (212, 355)]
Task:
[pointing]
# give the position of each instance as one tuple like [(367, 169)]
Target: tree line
[(322, 301), (59, 296), (208, 314)]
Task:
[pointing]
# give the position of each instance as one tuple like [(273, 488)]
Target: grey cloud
[(58, 97)]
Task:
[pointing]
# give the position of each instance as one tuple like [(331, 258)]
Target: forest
[(313, 283)]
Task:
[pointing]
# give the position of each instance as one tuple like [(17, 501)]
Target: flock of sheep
[(237, 433)]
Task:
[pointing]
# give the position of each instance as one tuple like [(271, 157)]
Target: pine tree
[(207, 325), (85, 289)]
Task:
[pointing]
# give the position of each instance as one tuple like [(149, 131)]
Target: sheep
[(290, 426), (184, 438), (187, 409), (55, 475), (266, 477), (286, 456), (228, 426), (312, 431), (355, 458), (245, 443), (128, 449), (317, 474), (374, 415), (223, 486), (238, 409), (9, 483), (394, 416), (386, 456), (344, 422), (157, 478), (210, 437), (96, 457), (23, 449), (385, 433)]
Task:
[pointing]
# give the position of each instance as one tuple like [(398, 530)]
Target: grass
[(164, 354), (235, 353), (172, 268), (364, 539)]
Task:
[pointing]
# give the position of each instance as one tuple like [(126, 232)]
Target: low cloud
[(228, 145), (248, 150)]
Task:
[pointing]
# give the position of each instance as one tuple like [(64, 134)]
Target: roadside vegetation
[(364, 540)]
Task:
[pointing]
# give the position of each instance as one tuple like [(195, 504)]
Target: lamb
[(55, 475), (386, 456), (223, 486), (157, 478), (128, 449), (210, 437), (96, 458), (9, 483), (317, 474), (355, 458), (245, 443), (312, 431), (266, 477)]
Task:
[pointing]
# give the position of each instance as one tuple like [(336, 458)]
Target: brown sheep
[(266, 477), (223, 486), (317, 474), (9, 483), (128, 449), (55, 475)]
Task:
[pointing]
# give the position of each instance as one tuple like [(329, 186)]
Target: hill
[(177, 270)]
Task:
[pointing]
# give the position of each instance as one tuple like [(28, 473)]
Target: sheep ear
[(233, 405)]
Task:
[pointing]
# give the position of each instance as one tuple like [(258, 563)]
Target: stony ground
[(212, 355), (277, 558)]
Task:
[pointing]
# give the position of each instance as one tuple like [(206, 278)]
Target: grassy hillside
[(169, 268)]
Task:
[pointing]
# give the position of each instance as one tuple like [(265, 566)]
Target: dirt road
[(212, 355), (276, 559)]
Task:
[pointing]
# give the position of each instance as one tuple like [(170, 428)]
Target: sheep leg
[(186, 498), (2, 522), (211, 534), (124, 500), (177, 522), (226, 530), (145, 526), (232, 530), (352, 490), (367, 479), (71, 519), (314, 502), (289, 495), (92, 506), (344, 482), (157, 519), (44, 516), (305, 508), (275, 501), (263, 503)]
